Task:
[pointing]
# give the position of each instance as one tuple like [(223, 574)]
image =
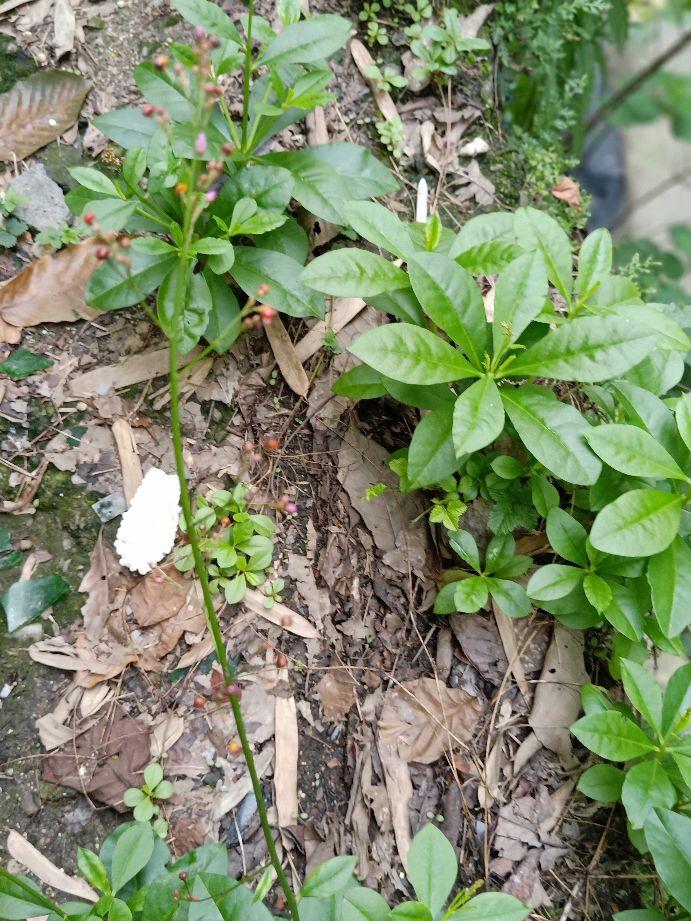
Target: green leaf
[(612, 735), (269, 186), (24, 601), (567, 537), (380, 226), (508, 468), (133, 797), (519, 297), (471, 594), (643, 692), (255, 267), (627, 611), (677, 699), (432, 867), (647, 411), (20, 899), (223, 326), (492, 906), (683, 418), (153, 775), (451, 298), (113, 285), (329, 878), (586, 349), (535, 230), (360, 904), (478, 417), (641, 522), (360, 383), (290, 239), (411, 911), (112, 213), (93, 179), (554, 581), (132, 853), (158, 87), (646, 787), (488, 258), (639, 914), (134, 167), (353, 273), (92, 869), (510, 596), (402, 304), (633, 451), (544, 494), (183, 320), (668, 835), (144, 810), (594, 700), (412, 355), (431, 455), (307, 42), (594, 261), (119, 911), (210, 17), (553, 432), (152, 246), (127, 127), (671, 337), (23, 363), (465, 546), (602, 782), (597, 591), (483, 228)]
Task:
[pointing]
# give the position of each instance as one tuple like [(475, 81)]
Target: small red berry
[(199, 702), (103, 252), (281, 660), (89, 218), (125, 242), (161, 61), (263, 290), (148, 110), (234, 748), (271, 444)]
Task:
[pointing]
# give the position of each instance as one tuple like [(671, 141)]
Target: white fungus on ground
[(148, 527)]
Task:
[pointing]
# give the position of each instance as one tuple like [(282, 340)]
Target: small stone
[(78, 818), (30, 803), (25, 544), (45, 203)]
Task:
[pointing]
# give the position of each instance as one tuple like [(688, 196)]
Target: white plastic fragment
[(421, 205), (148, 528)]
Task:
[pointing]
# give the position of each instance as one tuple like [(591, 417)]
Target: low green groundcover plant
[(135, 878), (553, 398)]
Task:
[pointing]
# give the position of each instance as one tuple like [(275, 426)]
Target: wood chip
[(344, 310), (280, 614), (364, 60), (286, 761), (286, 357), (126, 444)]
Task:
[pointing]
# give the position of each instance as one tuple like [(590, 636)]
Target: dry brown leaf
[(336, 690), (45, 870), (507, 631), (231, 794), (317, 599), (166, 729), (569, 191), (424, 718), (64, 27), (557, 700), (286, 762), (344, 310), (51, 289), (131, 370), (160, 595), (106, 583), (481, 643), (399, 788), (38, 110), (286, 357), (126, 444), (280, 614)]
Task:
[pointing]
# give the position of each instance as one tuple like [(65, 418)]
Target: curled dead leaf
[(569, 191)]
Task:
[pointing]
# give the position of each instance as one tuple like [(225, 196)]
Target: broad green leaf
[(112, 213), (641, 522), (633, 451), (209, 17), (519, 297), (488, 258), (380, 226), (92, 869), (483, 228), (544, 494), (535, 230), (646, 787), (331, 877), (127, 127), (594, 700), (471, 594), (360, 383), (19, 898), (183, 319), (671, 337), (158, 87), (255, 267), (553, 432), (402, 304), (478, 417), (510, 596), (269, 186), (451, 298), (444, 602), (431, 455), (643, 692), (24, 601), (639, 914), (432, 867), (677, 699), (350, 272), (223, 326), (602, 782), (554, 581), (491, 906), (669, 577), (567, 536), (93, 179), (597, 591), (290, 239), (411, 354), (627, 610), (132, 853), (508, 468), (647, 411), (465, 546), (659, 372), (432, 396), (23, 363), (612, 735), (594, 261), (308, 42), (113, 285), (361, 904), (683, 417), (668, 835), (411, 911), (586, 349)]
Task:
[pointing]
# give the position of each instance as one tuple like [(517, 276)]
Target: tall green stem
[(248, 73), (212, 618)]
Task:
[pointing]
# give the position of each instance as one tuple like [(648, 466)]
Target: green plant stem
[(248, 73)]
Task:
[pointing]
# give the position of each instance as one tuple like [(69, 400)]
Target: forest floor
[(398, 717)]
